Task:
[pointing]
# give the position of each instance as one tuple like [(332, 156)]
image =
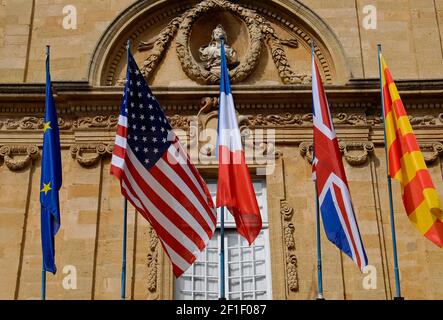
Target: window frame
[(231, 228)]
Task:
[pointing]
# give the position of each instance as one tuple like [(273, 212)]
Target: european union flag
[(51, 179)]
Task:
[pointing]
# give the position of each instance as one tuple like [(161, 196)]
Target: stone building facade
[(271, 87)]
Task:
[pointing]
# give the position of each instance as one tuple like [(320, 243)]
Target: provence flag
[(407, 165), (51, 179)]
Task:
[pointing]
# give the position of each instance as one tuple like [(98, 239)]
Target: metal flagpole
[(222, 223), (43, 283), (222, 255), (125, 232), (125, 225), (391, 205), (320, 295), (43, 289)]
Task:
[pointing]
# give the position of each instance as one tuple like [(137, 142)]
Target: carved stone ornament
[(288, 235), (153, 262), (260, 32), (307, 151), (88, 155), (211, 55), (356, 153), (431, 151), (32, 123), (108, 122), (296, 119), (19, 158)]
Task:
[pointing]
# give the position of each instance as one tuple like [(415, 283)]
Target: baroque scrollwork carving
[(288, 235), (356, 153), (32, 123), (431, 151), (19, 158), (88, 155), (285, 119), (416, 121), (296, 119), (307, 151), (153, 260), (352, 119), (260, 32), (180, 122), (108, 122)]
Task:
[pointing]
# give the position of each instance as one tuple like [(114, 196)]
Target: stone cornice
[(80, 97)]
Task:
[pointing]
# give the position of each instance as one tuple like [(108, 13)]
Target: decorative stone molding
[(296, 119), (356, 153), (307, 151), (180, 122), (107, 122), (32, 123), (431, 151), (260, 32), (153, 261), (288, 235), (96, 152), (425, 120), (27, 154), (416, 121)]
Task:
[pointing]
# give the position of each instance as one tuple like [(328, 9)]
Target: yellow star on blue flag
[(51, 179)]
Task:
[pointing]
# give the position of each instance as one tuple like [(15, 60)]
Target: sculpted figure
[(210, 54)]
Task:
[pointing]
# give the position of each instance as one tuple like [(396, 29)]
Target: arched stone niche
[(272, 39)]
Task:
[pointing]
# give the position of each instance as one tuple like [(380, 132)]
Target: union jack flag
[(157, 176), (332, 186)]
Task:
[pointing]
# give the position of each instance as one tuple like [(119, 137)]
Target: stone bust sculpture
[(210, 54)]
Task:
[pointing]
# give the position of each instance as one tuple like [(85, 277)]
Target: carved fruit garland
[(260, 31)]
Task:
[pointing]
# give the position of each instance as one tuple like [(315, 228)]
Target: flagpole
[(43, 287), (391, 203), (125, 226), (320, 294), (222, 255), (125, 233)]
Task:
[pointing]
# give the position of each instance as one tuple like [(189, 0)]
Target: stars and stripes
[(157, 176), (334, 198), (407, 165)]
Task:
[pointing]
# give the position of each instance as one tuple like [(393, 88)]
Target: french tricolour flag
[(335, 202), (235, 189)]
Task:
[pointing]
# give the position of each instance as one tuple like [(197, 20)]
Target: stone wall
[(91, 204)]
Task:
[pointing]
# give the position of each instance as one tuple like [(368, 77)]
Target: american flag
[(157, 176)]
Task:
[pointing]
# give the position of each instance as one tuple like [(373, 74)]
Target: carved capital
[(19, 158), (88, 155), (356, 153), (431, 151)]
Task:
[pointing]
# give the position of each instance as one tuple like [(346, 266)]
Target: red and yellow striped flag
[(407, 165)]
